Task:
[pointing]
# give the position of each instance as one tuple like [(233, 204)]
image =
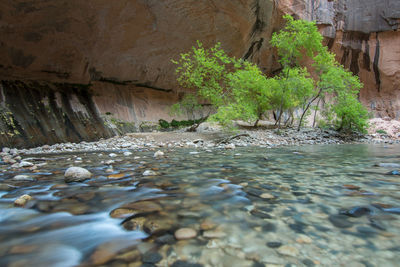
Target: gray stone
[(76, 174)]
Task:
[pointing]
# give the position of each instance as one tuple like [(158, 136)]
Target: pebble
[(149, 173), (127, 153), (288, 251), (159, 154), (340, 221), (151, 257), (112, 155), (76, 174), (214, 234), (185, 233), (230, 146), (274, 244), (267, 196), (23, 177), (25, 164), (303, 239), (22, 200)]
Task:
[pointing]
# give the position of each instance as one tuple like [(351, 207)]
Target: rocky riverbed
[(203, 199)]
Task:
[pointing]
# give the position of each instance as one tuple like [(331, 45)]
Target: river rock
[(149, 173), (274, 244), (22, 200), (214, 234), (76, 174), (159, 154), (288, 251), (230, 146), (266, 196), (388, 165), (25, 164), (303, 239), (340, 221), (185, 233), (127, 153), (23, 177), (151, 257), (112, 155)]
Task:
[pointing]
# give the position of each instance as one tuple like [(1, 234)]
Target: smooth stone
[(356, 211), (267, 196), (151, 257), (25, 164), (340, 221), (308, 262), (166, 239), (112, 155), (158, 154), (149, 173), (230, 146), (388, 165), (288, 251), (260, 214), (303, 239), (395, 172), (185, 233), (76, 174), (367, 230), (268, 227), (23, 177), (274, 244), (22, 200), (207, 225), (135, 224), (214, 234), (127, 153)]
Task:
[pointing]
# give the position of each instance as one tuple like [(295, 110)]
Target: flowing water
[(296, 206)]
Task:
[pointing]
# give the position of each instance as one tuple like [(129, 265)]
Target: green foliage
[(238, 90), (380, 131)]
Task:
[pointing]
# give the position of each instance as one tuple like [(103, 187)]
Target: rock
[(159, 154), (135, 224), (22, 200), (260, 214), (23, 177), (151, 257), (351, 187), (6, 150), (127, 153), (395, 172), (149, 173), (266, 196), (25, 164), (288, 251), (308, 262), (185, 233), (181, 263), (112, 155), (356, 211), (230, 146), (274, 244), (166, 239), (303, 239), (214, 234), (76, 174), (207, 225), (340, 221)]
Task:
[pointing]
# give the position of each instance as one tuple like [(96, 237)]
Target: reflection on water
[(308, 206)]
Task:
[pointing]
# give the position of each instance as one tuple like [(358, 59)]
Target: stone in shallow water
[(303, 239), (274, 244), (340, 221), (214, 234), (149, 173), (308, 262), (151, 257), (185, 233), (76, 174), (395, 172), (288, 251), (260, 214), (166, 239), (22, 200), (269, 227), (356, 211), (23, 177)]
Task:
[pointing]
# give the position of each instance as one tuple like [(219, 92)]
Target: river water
[(328, 205)]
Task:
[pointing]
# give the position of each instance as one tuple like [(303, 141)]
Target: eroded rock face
[(123, 49)]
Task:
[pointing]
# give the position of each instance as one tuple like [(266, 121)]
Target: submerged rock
[(288, 251), (23, 177), (185, 233), (159, 154), (22, 200), (149, 173), (340, 221), (76, 174), (357, 211)]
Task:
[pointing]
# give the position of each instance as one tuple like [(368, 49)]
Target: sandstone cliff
[(65, 64)]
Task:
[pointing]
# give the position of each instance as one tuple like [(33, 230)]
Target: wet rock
[(166, 239), (181, 263), (308, 262), (207, 225), (303, 239), (23, 177), (143, 206), (76, 174), (112, 155), (151, 257), (25, 164), (395, 172), (260, 214), (356, 211), (22, 200), (230, 146), (351, 187), (214, 234), (288, 251), (274, 244), (159, 154), (127, 154), (185, 233), (149, 173), (267, 196), (135, 224), (340, 221), (367, 231)]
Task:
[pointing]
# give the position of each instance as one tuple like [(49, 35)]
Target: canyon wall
[(80, 70)]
